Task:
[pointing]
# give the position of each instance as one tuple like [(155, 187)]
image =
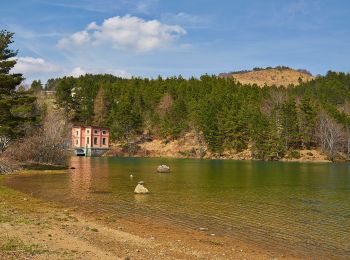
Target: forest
[(272, 121)]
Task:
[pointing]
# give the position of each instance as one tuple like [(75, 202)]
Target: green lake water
[(298, 206)]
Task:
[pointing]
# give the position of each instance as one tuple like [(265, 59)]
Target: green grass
[(13, 204), (15, 244)]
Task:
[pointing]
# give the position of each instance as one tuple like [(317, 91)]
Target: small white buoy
[(131, 176)]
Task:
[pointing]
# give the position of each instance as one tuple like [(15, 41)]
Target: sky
[(147, 38)]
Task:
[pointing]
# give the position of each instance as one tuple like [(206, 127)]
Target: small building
[(90, 140)]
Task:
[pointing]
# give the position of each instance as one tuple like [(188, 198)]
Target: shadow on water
[(303, 206)]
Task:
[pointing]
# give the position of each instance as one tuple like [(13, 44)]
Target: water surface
[(297, 206)]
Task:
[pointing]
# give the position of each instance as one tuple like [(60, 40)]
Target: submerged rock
[(163, 168), (140, 189)]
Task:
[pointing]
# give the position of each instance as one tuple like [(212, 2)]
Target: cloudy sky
[(148, 38)]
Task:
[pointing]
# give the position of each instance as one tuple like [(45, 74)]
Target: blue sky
[(148, 38)]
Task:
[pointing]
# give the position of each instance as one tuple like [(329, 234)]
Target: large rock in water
[(163, 168), (140, 189)]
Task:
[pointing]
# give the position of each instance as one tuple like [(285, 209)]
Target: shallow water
[(297, 206)]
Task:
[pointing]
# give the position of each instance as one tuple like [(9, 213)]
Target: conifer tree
[(308, 119), (36, 86), (290, 128), (99, 107), (16, 107)]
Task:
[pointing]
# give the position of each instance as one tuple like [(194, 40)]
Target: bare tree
[(331, 135), (44, 144), (165, 104), (4, 143), (276, 98)]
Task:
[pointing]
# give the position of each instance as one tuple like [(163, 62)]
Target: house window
[(104, 132), (104, 141), (77, 132), (95, 140), (87, 131), (87, 140), (96, 132), (76, 142)]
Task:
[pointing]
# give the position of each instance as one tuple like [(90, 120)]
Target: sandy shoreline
[(33, 229), (188, 147)]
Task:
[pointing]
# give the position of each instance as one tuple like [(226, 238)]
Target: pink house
[(90, 140)]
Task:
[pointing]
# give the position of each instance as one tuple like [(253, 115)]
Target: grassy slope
[(271, 77)]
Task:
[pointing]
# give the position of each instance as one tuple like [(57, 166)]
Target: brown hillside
[(270, 76)]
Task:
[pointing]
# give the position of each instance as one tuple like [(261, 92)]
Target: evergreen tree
[(100, 107), (125, 121), (210, 127), (36, 86), (260, 137), (174, 121), (16, 107), (51, 84), (65, 97), (308, 119), (290, 128)]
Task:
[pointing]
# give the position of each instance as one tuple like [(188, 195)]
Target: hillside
[(209, 116), (279, 76)]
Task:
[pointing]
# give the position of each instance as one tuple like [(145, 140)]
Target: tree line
[(273, 122)]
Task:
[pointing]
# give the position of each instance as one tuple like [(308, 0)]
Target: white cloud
[(119, 73), (125, 32), (78, 71), (78, 39), (92, 26), (30, 65)]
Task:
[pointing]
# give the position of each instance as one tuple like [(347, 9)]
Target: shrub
[(41, 145), (294, 154), (38, 149), (7, 166)]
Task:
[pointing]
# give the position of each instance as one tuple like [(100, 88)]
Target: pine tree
[(210, 126), (36, 86), (16, 107), (308, 119), (99, 107), (290, 128)]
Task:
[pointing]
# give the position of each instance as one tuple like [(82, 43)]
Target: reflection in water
[(141, 198), (88, 177), (80, 177), (294, 205)]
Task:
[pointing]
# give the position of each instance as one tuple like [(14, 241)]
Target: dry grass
[(269, 77), (7, 165)]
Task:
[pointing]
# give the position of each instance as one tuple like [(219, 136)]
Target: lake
[(298, 206)]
